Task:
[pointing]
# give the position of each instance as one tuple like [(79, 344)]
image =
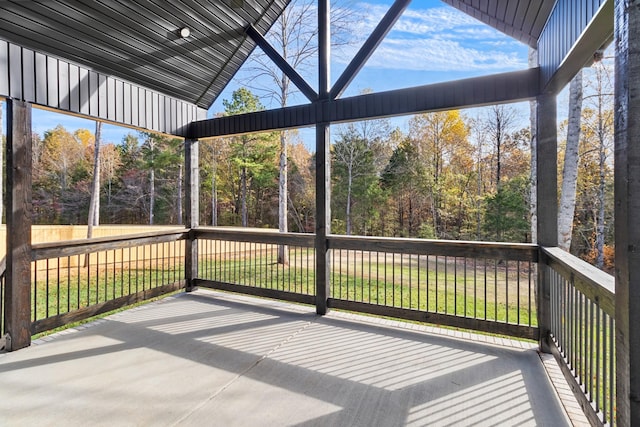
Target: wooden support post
[(323, 216), (192, 209), (323, 165), (547, 202), (19, 211), (627, 211)]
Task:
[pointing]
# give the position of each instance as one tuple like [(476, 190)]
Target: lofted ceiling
[(139, 40), (523, 20)]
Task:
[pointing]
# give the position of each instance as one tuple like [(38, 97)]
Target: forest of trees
[(446, 176)]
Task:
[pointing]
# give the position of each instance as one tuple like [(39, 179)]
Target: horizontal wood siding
[(574, 31), (50, 82)]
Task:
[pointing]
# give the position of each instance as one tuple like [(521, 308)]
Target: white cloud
[(440, 55), (441, 39)]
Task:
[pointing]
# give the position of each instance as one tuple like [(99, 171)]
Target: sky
[(432, 42)]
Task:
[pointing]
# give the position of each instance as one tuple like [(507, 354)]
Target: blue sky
[(431, 43)]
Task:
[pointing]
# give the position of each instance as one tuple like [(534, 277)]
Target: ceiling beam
[(473, 92), (369, 46), (282, 64)]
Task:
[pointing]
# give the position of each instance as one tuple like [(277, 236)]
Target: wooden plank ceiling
[(139, 41)]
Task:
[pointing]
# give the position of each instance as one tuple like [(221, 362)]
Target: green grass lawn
[(443, 290), (440, 287)]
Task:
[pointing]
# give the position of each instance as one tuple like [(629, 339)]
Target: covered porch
[(533, 291), (208, 358)]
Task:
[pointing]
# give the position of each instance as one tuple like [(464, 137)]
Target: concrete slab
[(216, 359)]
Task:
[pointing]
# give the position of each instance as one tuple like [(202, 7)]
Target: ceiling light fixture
[(185, 32)]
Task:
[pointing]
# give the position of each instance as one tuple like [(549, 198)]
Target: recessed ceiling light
[(185, 32)]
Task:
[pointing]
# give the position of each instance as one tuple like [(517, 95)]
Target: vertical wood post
[(323, 164), (627, 211), (192, 178), (19, 211), (547, 204)]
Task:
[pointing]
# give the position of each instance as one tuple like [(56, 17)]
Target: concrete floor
[(213, 359)]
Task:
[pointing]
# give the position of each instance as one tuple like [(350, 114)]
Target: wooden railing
[(583, 331), (474, 285), (3, 270), (78, 279), (247, 262), (481, 286)]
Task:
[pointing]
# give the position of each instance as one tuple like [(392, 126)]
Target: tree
[(130, 197), (294, 36), (507, 210), (570, 169), (150, 150), (358, 157), (110, 162), (533, 180), (94, 204), (210, 154), (441, 139), (603, 128), (252, 154), (403, 178), (593, 205), (500, 121), (61, 173), (302, 186)]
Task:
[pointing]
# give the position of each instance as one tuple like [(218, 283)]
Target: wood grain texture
[(80, 247), (501, 251), (627, 211), (595, 284), (547, 194), (19, 212)]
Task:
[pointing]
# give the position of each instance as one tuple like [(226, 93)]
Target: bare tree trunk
[(94, 203), (601, 186), (479, 192), (533, 180), (214, 195), (600, 220), (348, 207), (570, 169), (152, 194), (243, 197), (180, 195)]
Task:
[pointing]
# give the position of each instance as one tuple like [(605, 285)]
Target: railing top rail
[(594, 283), (83, 246), (256, 236), (457, 248)]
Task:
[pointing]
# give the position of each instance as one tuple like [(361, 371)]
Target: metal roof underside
[(138, 41), (523, 20)]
